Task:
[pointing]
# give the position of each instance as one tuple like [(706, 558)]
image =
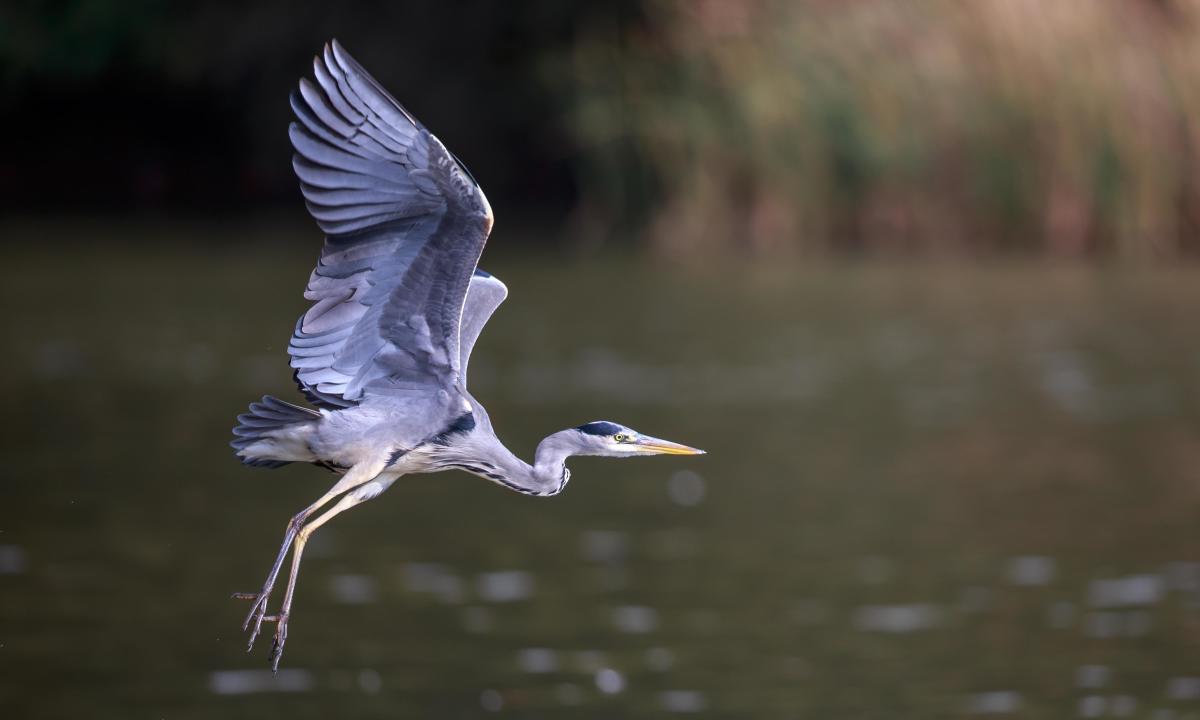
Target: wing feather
[(405, 226)]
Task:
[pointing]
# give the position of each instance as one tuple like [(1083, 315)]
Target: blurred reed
[(934, 127)]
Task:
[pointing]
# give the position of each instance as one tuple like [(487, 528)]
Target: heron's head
[(613, 440)]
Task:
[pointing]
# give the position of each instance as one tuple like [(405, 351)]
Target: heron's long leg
[(258, 609), (361, 494)]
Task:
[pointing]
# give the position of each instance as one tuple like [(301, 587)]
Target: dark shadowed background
[(919, 276)]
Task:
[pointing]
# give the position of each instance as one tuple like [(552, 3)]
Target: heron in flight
[(397, 305)]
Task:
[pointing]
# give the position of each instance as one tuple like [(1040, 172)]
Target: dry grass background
[(933, 127)]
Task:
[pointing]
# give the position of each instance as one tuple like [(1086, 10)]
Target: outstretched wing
[(484, 295), (406, 225)]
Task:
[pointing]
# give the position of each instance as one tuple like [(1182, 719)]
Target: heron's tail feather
[(274, 433)]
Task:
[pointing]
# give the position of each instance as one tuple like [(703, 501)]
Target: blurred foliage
[(152, 105), (1068, 128), (766, 127)]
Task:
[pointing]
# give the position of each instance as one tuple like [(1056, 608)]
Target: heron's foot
[(281, 621), (257, 614)]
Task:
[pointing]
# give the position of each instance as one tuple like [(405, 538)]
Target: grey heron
[(397, 305)]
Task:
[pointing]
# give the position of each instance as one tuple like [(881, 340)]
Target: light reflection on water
[(898, 618), (995, 702), (244, 682), (595, 668), (504, 586), (918, 501), (12, 560), (1032, 570)]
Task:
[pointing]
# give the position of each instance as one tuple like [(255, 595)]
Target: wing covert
[(484, 295)]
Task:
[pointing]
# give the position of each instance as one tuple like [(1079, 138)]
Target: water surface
[(930, 492)]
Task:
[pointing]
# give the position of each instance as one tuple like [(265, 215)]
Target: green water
[(929, 492)]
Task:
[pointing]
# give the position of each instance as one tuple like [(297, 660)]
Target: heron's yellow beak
[(656, 446)]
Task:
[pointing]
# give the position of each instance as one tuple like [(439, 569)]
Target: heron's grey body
[(397, 306)]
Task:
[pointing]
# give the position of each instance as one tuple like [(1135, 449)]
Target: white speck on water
[(686, 488), (354, 589), (875, 569), (1183, 688), (537, 660), (504, 586), (1031, 570), (659, 659), (995, 702), (1092, 676), (604, 545), (682, 701), (898, 618), (635, 619), (1132, 590), (491, 700), (246, 682), (369, 681), (609, 681), (12, 560)]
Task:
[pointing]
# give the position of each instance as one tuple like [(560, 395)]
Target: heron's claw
[(281, 622), (258, 615)]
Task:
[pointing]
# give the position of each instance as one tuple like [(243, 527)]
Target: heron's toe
[(256, 616), (281, 621)]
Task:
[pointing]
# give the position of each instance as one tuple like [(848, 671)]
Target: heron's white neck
[(548, 474), (550, 460)]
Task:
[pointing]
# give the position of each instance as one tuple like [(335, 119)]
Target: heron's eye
[(621, 437)]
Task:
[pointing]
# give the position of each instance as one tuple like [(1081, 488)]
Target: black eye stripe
[(600, 427)]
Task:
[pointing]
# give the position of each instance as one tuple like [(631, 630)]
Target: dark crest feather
[(600, 427)]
